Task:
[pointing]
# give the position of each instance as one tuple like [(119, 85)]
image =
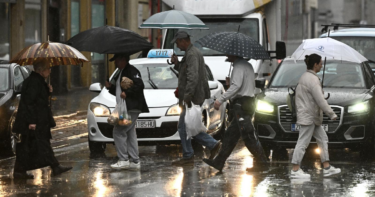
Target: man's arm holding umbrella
[(237, 78)]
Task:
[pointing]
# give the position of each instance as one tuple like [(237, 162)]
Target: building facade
[(26, 22)]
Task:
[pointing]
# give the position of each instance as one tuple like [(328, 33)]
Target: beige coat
[(310, 102)]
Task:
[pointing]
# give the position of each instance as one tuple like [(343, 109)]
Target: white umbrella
[(328, 48), (173, 19)]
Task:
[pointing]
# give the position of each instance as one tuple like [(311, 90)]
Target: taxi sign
[(160, 53)]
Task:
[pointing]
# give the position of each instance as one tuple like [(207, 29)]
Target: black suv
[(11, 80), (350, 86)]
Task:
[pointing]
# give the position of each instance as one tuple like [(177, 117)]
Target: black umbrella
[(234, 43), (109, 40)]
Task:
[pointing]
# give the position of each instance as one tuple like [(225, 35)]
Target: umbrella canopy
[(56, 53), (234, 43), (329, 48), (109, 40), (173, 19)]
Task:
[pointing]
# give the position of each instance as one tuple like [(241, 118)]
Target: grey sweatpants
[(305, 134), (126, 142)]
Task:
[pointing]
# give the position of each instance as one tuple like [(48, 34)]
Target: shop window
[(32, 22), (98, 19), (4, 36)]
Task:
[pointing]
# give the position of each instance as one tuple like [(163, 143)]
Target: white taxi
[(160, 124)]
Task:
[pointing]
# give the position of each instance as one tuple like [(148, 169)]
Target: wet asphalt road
[(92, 176)]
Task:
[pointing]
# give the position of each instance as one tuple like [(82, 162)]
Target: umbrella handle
[(168, 62), (328, 96)]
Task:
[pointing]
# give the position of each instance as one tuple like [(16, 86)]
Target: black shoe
[(215, 150), (183, 162), (22, 175), (60, 169), (258, 168), (213, 164)]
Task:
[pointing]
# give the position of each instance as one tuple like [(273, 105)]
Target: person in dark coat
[(125, 137), (33, 123)]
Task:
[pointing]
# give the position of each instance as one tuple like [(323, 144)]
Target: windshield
[(338, 74), (160, 74), (248, 27), (364, 45), (4, 79)]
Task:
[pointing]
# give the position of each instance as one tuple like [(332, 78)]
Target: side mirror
[(95, 87), (260, 83), (280, 50), (213, 85)]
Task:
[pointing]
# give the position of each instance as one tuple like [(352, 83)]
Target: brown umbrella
[(56, 53)]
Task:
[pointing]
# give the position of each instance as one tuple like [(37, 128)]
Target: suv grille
[(286, 119)]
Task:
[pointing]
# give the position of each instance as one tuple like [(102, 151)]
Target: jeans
[(248, 135), (304, 138), (202, 138)]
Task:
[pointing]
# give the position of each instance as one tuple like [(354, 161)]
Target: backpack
[(291, 101)]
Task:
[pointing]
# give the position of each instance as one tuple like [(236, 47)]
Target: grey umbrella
[(234, 43), (173, 19)]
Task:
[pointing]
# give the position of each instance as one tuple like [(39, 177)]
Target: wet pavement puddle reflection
[(92, 176)]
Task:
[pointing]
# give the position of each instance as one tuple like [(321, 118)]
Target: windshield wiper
[(150, 81), (174, 71)]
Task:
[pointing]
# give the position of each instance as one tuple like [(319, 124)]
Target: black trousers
[(34, 152), (242, 126)]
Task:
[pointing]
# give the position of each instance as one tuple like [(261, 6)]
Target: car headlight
[(264, 107), (100, 110), (358, 108), (174, 110)]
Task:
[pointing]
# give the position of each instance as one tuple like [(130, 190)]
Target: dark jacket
[(34, 107), (192, 80), (135, 98)]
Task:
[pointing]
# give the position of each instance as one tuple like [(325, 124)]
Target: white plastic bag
[(120, 115), (193, 121)]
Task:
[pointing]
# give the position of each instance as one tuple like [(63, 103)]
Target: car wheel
[(96, 147)]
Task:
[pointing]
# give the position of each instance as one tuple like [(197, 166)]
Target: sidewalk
[(70, 112)]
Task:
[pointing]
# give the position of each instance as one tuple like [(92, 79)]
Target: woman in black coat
[(34, 121)]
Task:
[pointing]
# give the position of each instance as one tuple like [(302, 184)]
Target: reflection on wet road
[(92, 176)]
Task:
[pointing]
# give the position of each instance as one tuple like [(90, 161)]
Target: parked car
[(351, 88), (160, 124), (11, 80)]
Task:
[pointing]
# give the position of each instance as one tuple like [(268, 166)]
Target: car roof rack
[(337, 25)]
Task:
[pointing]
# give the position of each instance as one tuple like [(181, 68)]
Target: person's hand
[(107, 84), (227, 81), (187, 100), (32, 126), (50, 88), (174, 59), (217, 105), (334, 118), (123, 95)]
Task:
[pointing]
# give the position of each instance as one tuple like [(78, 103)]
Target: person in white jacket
[(310, 105)]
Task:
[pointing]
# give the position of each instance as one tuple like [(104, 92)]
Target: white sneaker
[(299, 174), (135, 166), (121, 165), (331, 171)]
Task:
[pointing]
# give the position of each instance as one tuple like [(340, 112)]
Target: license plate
[(296, 127), (145, 124)]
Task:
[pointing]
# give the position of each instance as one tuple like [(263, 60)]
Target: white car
[(160, 124)]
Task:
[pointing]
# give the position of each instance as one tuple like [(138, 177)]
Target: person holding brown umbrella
[(34, 118), (34, 121)]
